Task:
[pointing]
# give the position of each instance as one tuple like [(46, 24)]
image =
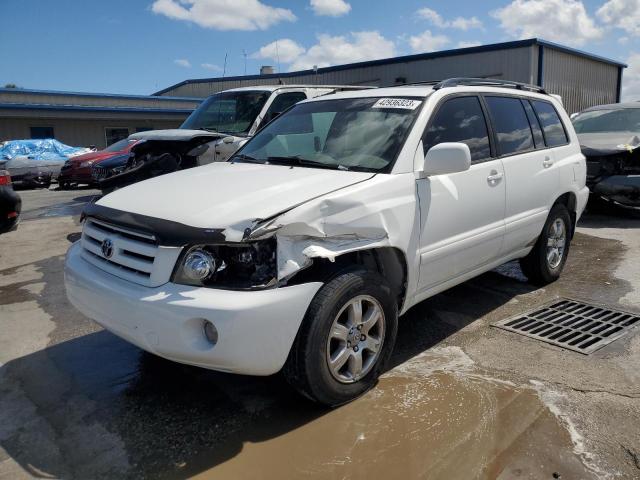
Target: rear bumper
[(255, 329), (621, 189), (582, 199)]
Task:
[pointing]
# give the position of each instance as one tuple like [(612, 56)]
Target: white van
[(301, 252)]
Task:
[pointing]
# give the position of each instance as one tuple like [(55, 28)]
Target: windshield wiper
[(304, 162), (208, 129), (247, 158)]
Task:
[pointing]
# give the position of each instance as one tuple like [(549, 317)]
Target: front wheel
[(345, 339), (546, 260)]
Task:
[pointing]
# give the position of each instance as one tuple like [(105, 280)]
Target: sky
[(141, 46)]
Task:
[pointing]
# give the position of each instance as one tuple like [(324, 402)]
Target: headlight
[(86, 164), (242, 266)]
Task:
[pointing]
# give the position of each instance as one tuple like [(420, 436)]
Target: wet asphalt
[(461, 399)]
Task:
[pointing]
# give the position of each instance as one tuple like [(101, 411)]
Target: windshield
[(227, 112), (599, 121), (119, 146), (364, 134)]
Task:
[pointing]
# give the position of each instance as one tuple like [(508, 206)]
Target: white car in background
[(300, 253), (220, 125)]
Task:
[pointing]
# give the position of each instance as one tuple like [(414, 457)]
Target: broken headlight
[(242, 266)]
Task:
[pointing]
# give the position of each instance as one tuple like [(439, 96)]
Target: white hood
[(178, 134), (229, 196)]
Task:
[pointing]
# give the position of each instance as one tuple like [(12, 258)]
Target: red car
[(78, 169)]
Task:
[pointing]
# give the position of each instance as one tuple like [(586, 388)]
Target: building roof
[(94, 95), (403, 59)]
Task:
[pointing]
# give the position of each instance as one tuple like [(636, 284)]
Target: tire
[(538, 266), (307, 368)]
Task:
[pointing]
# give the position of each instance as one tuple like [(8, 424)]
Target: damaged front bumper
[(614, 175), (255, 329)]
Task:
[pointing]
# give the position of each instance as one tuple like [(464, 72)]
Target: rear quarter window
[(554, 131)]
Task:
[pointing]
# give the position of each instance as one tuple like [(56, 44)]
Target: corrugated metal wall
[(510, 64), (582, 82)]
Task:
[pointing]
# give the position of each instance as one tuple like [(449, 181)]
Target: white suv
[(300, 253)]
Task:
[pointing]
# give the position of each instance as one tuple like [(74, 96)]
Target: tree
[(10, 85)]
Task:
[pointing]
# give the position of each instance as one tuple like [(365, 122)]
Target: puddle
[(434, 416), (69, 209)]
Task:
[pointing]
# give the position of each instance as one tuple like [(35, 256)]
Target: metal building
[(83, 119), (582, 79)]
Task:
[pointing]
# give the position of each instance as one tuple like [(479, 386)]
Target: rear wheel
[(345, 340), (546, 260)]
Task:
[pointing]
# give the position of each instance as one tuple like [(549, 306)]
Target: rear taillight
[(5, 178)]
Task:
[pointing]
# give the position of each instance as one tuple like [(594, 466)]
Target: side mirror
[(273, 115), (447, 158), (228, 140)]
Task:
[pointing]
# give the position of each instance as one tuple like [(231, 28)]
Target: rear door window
[(460, 119), (554, 132), (538, 138), (511, 125)]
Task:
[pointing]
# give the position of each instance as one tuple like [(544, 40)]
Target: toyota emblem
[(107, 248)]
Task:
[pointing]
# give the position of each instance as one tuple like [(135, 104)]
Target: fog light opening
[(210, 332)]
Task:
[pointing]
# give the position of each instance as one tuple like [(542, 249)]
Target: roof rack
[(486, 82)]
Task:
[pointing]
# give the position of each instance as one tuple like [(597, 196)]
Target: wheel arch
[(569, 200), (390, 262)]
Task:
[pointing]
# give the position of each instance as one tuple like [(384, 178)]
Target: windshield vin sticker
[(402, 103)]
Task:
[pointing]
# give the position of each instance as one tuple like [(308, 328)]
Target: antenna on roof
[(224, 70), (244, 54), (280, 82)]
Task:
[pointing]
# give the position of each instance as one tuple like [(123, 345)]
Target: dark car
[(610, 139), (10, 204), (78, 170), (105, 174)]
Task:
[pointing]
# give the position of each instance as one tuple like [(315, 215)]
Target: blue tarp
[(45, 149)]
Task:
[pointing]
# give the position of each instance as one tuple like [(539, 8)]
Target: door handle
[(547, 162), (494, 177)]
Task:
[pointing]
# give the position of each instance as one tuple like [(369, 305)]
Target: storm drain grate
[(574, 325)]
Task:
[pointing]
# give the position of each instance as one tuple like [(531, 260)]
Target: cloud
[(464, 44), (564, 21), (359, 46), (182, 62), (459, 23), (466, 23), (224, 14), (432, 16), (631, 78), (427, 42), (331, 8), (211, 66), (284, 50), (624, 14)]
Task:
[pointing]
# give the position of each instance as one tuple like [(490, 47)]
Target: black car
[(104, 172), (10, 204), (146, 160), (610, 139)]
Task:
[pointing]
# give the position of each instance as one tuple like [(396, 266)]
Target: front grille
[(131, 255), (573, 325)]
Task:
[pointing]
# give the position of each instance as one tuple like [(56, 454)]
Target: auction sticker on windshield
[(402, 103)]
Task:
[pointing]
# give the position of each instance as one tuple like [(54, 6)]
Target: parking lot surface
[(461, 399)]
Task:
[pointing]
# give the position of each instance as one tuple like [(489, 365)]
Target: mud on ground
[(461, 399)]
